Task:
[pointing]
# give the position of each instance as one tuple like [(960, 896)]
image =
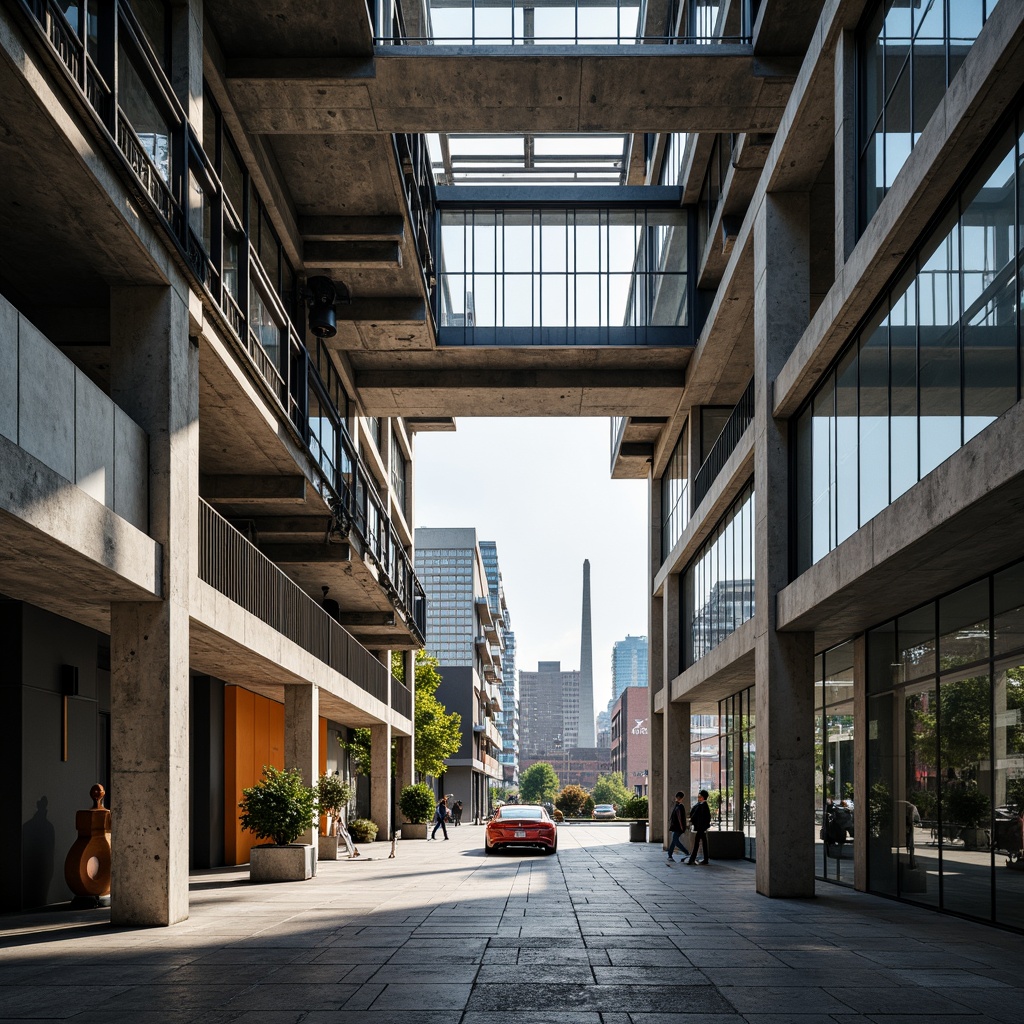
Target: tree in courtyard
[(538, 783), (571, 801), (610, 789)]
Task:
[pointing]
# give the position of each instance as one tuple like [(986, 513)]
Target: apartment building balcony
[(236, 569)]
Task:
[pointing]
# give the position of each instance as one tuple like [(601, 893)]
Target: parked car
[(525, 825), (604, 812)]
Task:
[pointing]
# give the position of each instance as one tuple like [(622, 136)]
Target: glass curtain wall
[(558, 272), (937, 361), (675, 501), (908, 54), (833, 757), (946, 752), (718, 585)]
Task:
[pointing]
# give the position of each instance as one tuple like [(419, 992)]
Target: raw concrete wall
[(456, 694), (52, 410)]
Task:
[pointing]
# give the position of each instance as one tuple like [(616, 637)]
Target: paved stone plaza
[(604, 933)]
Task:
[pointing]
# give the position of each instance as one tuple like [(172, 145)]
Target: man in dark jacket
[(677, 826), (700, 819)]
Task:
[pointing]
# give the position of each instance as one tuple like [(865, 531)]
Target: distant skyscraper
[(587, 736), (629, 665), (549, 710)]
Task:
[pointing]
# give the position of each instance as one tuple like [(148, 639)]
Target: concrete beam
[(241, 488), (334, 228), (366, 619), (386, 311), (720, 87), (306, 554), (352, 255)]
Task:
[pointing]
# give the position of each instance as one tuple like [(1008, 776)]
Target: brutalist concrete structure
[(239, 271)]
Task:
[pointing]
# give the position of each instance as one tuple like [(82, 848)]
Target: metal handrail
[(739, 419), (230, 564)]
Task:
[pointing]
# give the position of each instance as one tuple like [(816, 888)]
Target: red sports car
[(520, 825)]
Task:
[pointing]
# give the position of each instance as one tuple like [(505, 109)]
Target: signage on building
[(640, 729)]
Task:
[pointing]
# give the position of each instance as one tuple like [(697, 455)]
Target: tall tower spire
[(587, 737)]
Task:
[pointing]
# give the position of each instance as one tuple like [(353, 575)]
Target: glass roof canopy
[(529, 159)]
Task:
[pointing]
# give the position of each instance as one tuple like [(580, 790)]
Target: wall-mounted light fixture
[(322, 295), (68, 688)]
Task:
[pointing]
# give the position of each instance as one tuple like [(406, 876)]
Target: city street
[(603, 933)]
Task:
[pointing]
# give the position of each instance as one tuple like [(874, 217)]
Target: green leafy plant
[(538, 783), (557, 815), (362, 830), (438, 730), (571, 801), (417, 803), (966, 805), (358, 749), (634, 808), (332, 793), (279, 807), (610, 789)]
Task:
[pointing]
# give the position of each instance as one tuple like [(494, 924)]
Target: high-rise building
[(587, 734), (508, 717), (464, 632), (549, 706), (629, 664)]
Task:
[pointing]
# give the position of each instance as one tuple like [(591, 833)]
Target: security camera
[(321, 296)]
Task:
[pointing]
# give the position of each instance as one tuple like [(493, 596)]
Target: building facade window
[(937, 361), (398, 471), (833, 763), (718, 585), (675, 501), (945, 751), (672, 163), (908, 54)]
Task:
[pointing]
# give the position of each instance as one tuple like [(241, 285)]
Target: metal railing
[(237, 569), (618, 429), (401, 698), (414, 165), (735, 426)]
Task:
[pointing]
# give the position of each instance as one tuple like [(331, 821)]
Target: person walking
[(677, 826), (440, 813), (700, 819)]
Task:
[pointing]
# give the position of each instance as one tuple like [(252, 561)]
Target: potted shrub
[(362, 830), (967, 806), (417, 806), (279, 808), (333, 793)]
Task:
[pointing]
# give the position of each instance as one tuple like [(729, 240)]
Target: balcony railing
[(285, 368), (618, 429), (243, 574), (735, 426)]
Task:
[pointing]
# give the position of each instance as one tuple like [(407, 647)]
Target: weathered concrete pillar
[(784, 662), (403, 763), (302, 737), (656, 736), (380, 779), (154, 374)]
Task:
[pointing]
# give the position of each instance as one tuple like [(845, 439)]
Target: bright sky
[(541, 490)]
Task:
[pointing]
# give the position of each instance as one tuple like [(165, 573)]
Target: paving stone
[(630, 998)]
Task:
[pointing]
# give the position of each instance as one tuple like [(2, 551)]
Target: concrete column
[(845, 148), (784, 662), (154, 374), (380, 778), (187, 59), (302, 737), (656, 736), (404, 773), (676, 763)]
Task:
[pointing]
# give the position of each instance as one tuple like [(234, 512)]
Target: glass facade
[(675, 499), (945, 751), (908, 55), (937, 360), (833, 764), (566, 276), (722, 754), (629, 664), (718, 585), (446, 575)]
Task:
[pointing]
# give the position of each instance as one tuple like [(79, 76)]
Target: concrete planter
[(327, 847), (975, 838), (293, 863), (411, 831)]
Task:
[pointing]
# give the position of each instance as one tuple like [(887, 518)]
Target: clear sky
[(541, 489)]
